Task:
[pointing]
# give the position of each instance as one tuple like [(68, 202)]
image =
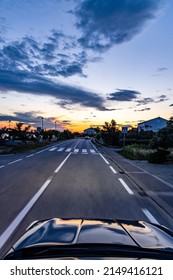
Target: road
[(69, 179)]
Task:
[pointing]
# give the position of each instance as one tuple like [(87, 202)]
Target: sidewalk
[(162, 171), (152, 180)]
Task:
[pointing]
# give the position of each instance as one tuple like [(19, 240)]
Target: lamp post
[(9, 123), (42, 122), (55, 124)]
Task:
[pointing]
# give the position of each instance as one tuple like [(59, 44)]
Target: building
[(90, 131), (153, 124)]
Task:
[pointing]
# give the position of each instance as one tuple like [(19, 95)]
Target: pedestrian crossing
[(74, 150)]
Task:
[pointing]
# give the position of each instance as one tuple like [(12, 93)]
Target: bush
[(138, 152), (159, 156)]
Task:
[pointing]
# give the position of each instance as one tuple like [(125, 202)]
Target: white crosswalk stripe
[(52, 149), (61, 149), (74, 150)]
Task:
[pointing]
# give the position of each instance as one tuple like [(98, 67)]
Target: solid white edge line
[(104, 158), (113, 170), (150, 216), (125, 186), (62, 163), (2, 166), (8, 232)]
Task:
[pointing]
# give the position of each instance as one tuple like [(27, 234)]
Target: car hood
[(58, 231)]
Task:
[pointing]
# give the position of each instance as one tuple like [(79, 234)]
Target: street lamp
[(42, 122), (55, 124), (9, 123)]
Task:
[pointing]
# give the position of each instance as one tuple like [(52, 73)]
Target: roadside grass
[(136, 152), (142, 152)]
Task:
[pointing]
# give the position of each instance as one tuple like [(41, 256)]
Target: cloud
[(123, 95), (161, 69), (58, 55), (106, 23), (33, 118), (28, 117), (149, 100), (26, 64), (24, 82), (142, 110)]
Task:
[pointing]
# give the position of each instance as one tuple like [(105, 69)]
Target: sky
[(79, 63)]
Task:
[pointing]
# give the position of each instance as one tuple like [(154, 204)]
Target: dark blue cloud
[(142, 110), (161, 69), (105, 23), (25, 65), (34, 118), (123, 95), (149, 100), (24, 82), (58, 55), (28, 117)]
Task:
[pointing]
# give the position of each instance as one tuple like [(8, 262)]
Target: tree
[(110, 134), (19, 126), (164, 137)]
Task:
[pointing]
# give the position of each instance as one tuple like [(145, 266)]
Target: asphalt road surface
[(70, 179)]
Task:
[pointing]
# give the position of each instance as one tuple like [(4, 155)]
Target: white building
[(153, 124)]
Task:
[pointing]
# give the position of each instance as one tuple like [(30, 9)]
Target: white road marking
[(77, 144), (31, 155), (113, 170), (150, 216), (92, 151), (15, 161), (94, 147), (8, 232), (52, 149), (62, 163), (2, 166), (61, 149), (68, 150), (41, 151), (84, 151), (104, 158), (125, 186), (76, 151)]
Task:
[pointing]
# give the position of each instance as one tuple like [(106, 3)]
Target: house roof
[(158, 118)]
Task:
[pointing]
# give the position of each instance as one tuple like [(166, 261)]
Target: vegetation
[(136, 151), (21, 138), (141, 145)]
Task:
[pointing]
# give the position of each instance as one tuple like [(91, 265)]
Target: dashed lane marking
[(113, 170), (14, 161), (125, 186), (150, 216)]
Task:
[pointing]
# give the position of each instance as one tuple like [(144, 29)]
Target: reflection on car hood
[(58, 231)]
